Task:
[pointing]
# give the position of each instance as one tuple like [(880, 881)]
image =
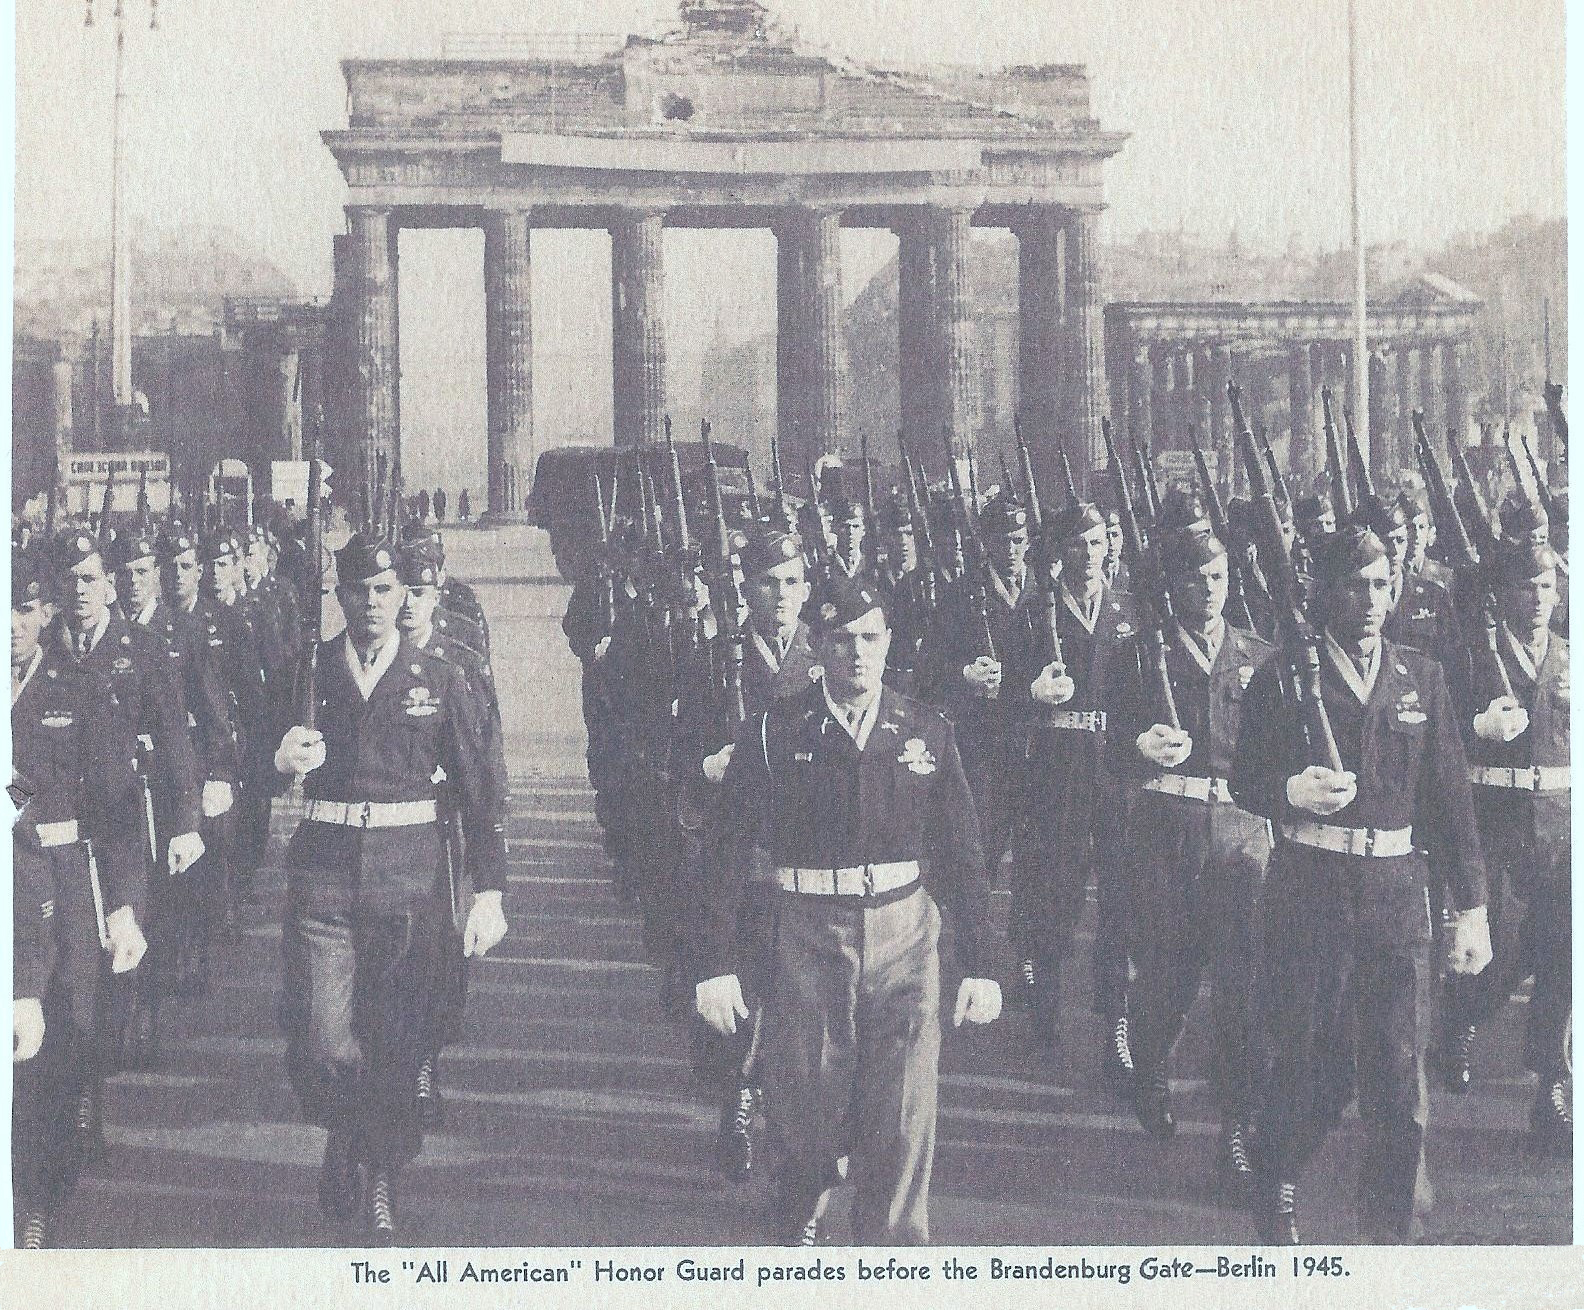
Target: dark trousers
[(853, 1058), (1347, 984), (1194, 871), (46, 1153), (357, 1010)]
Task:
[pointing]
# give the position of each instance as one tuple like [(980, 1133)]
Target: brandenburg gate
[(728, 123)]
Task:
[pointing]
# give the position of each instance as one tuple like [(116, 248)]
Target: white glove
[(715, 765), (1321, 791), (978, 1001), (217, 798), (184, 852), (1163, 746), (486, 924), (1053, 686), (302, 750), (984, 676), (1502, 720), (127, 943), (27, 1028), (719, 1002), (601, 648), (1471, 943)]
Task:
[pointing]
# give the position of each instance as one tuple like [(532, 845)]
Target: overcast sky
[(1236, 110)]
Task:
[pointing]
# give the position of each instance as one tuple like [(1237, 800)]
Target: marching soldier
[(1067, 767), (778, 662), (368, 915), (457, 598), (850, 527), (1419, 611), (1347, 931), (268, 641), (419, 574), (1519, 763), (905, 585), (849, 788), (1193, 859), (88, 634), (78, 881), (175, 913)]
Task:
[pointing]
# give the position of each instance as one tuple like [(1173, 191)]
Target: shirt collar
[(93, 635), (1204, 647), (1528, 660), (145, 616), (1009, 589), (368, 679), (1086, 612), (1361, 682), (32, 668), (860, 730)]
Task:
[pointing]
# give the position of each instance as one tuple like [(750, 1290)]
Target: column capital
[(638, 214)]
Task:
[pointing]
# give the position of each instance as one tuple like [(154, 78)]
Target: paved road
[(574, 1118)]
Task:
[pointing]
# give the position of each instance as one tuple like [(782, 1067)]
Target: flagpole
[(1360, 305)]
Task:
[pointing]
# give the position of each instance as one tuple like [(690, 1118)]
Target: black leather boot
[(1234, 1172), (33, 1230), (381, 1209), (1458, 1057), (431, 1105), (1152, 1104), (1551, 1121), (734, 1155), (340, 1190), (1277, 1214), (1116, 1057)]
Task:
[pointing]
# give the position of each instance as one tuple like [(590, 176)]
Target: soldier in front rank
[(88, 634), (175, 905), (1193, 860), (1068, 778), (1518, 747), (419, 572), (966, 654), (78, 882), (368, 910), (1347, 931), (778, 662), (850, 789)]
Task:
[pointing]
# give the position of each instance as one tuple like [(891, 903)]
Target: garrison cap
[(764, 547), (1414, 502), (417, 532), (176, 540), (426, 548), (416, 567), (364, 556), (1381, 516), (71, 548), (844, 506), (1524, 520), (135, 543), (1187, 550), (839, 600), (1318, 506), (1519, 560), (1002, 516), (217, 544), (895, 515), (1072, 521), (1352, 548), (29, 577)]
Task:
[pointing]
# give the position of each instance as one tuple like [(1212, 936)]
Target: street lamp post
[(121, 404)]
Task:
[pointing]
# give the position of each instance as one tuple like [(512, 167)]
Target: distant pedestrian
[(464, 510), (423, 506), (439, 504)]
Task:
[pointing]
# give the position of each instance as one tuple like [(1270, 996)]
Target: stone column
[(959, 399), (1430, 386), (62, 381), (1162, 415), (1212, 371), (916, 371), (1300, 407), (291, 402), (375, 417), (638, 351), (811, 355), (508, 361), (1349, 391), (1404, 362), (1083, 354), (1457, 402), (1039, 329), (1385, 437)]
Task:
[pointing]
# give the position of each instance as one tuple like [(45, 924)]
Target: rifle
[(104, 509), (1553, 511), (1151, 583), (1334, 462), (1461, 551), (811, 527), (1278, 482), (1300, 642), (1222, 527), (871, 530), (726, 597), (607, 577), (921, 528), (1146, 463), (1363, 483), (976, 565), (1026, 462), (142, 510), (313, 606), (1042, 561), (377, 504), (973, 482), (1069, 483), (754, 507), (1474, 510), (778, 486), (1559, 424)]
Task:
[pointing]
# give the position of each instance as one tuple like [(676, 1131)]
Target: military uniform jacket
[(269, 636), (419, 719), (228, 636), (1092, 658), (75, 752), (32, 918), (1209, 705), (461, 630), (131, 662), (461, 599), (957, 640), (481, 683), (1403, 745), (185, 640), (799, 788), (908, 609), (763, 684), (1421, 618), (1537, 823)]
